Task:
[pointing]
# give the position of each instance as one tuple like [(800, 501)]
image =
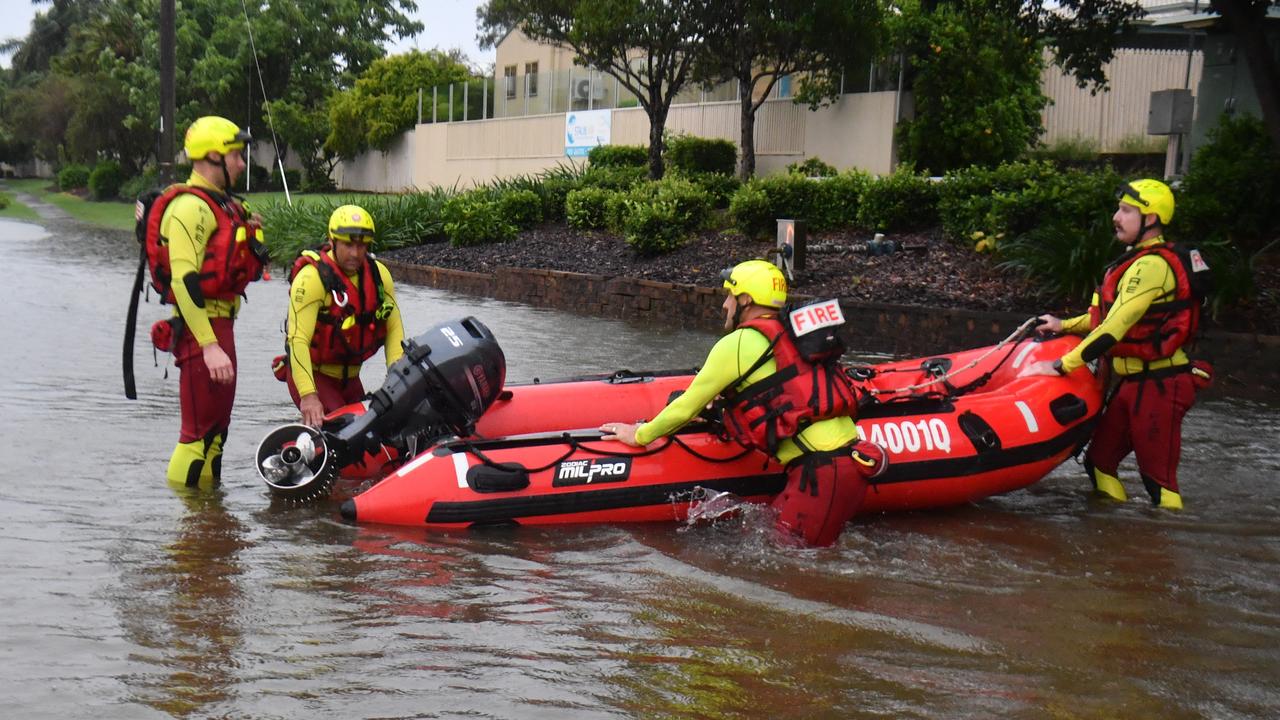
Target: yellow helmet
[(351, 223), (760, 279), (1149, 196), (213, 134)]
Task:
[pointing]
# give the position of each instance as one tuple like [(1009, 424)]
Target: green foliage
[(612, 178), (105, 180), (760, 202), (1231, 188), (719, 187), (520, 207), (1070, 151), (474, 218), (836, 199), (898, 202), (1227, 204), (652, 227), (812, 167), (977, 86), (692, 204), (4, 201), (72, 176), (402, 220), (619, 156), (966, 197), (383, 104), (691, 155), (1065, 260), (1073, 197), (587, 209), (137, 185)]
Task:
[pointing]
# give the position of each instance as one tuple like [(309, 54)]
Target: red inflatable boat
[(957, 428)]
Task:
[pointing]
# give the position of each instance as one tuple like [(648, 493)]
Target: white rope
[(1031, 322), (267, 103)]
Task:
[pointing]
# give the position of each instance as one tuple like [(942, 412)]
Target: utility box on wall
[(1171, 112)]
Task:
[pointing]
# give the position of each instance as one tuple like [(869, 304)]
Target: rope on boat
[(1017, 335)]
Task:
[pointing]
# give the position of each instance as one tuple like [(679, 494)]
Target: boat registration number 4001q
[(909, 435)]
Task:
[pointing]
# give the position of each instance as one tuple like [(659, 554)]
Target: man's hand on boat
[(1049, 324), (312, 410), (624, 433)]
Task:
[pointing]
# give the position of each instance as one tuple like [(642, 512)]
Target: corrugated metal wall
[(1119, 113)]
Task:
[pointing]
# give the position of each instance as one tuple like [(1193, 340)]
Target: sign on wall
[(586, 129)]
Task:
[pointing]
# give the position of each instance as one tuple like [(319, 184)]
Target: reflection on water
[(180, 607), (125, 600)]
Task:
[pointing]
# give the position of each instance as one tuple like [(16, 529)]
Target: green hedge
[(588, 208), (812, 167), (73, 176), (619, 156), (105, 180), (898, 202), (690, 155)]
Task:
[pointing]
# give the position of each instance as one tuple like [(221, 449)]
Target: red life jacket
[(1167, 325), (233, 257), (363, 301), (798, 394)]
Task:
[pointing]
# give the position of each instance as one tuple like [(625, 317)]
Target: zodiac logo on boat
[(585, 472)]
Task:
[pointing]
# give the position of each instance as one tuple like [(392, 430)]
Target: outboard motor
[(448, 377)]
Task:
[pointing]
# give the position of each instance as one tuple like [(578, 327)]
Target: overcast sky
[(447, 24)]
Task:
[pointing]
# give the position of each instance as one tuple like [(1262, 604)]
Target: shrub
[(73, 176), (690, 155), (691, 204), (718, 186), (612, 178), (4, 201), (588, 208), (1226, 204), (812, 167), (555, 191), (619, 156), (1074, 197), (474, 219), (135, 186), (105, 180), (1072, 151), (317, 182), (292, 177), (651, 228), (1230, 190), (758, 204), (966, 197), (1064, 259), (522, 208), (899, 201), (259, 178), (836, 200)]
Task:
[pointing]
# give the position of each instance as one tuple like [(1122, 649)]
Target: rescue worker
[(827, 465), (1141, 316), (209, 248), (342, 309)]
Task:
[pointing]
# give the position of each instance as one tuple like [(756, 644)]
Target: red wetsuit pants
[(333, 392), (825, 490), (206, 405), (1145, 417)]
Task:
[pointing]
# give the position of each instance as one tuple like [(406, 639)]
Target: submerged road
[(125, 600)]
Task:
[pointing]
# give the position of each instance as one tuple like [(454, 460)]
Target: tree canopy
[(101, 59)]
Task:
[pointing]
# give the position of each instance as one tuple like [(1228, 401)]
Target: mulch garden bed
[(936, 273)]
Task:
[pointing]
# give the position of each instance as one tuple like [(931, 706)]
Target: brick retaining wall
[(1245, 363)]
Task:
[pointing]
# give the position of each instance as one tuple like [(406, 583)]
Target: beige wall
[(1121, 112), (855, 132), (391, 171)]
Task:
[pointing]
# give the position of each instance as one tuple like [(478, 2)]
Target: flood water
[(124, 599)]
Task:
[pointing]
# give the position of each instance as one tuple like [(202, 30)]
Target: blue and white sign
[(586, 129)]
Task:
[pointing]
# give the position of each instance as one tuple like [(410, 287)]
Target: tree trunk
[(747, 136), (657, 125), (1247, 22)]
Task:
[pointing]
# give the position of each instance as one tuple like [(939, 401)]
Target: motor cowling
[(447, 378)]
